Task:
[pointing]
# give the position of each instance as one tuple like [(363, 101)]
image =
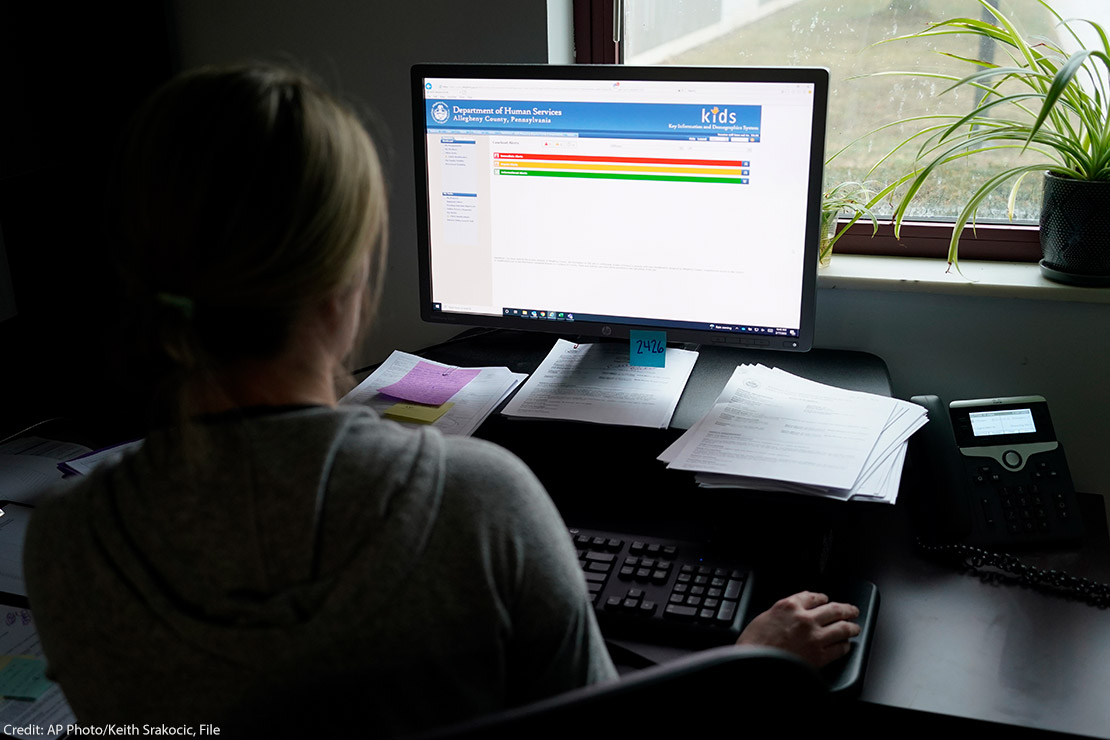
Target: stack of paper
[(595, 382), (773, 431), (455, 400), (29, 466), (85, 464)]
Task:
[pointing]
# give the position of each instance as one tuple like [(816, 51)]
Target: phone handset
[(942, 508)]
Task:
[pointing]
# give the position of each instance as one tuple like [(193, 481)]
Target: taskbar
[(536, 314)]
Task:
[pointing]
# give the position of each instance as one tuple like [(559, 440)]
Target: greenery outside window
[(844, 38)]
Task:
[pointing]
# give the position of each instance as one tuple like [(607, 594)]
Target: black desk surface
[(946, 644), (972, 646)]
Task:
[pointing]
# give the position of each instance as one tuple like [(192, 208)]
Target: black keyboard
[(663, 590)]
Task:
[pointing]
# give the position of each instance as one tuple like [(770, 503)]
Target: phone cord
[(1006, 568)]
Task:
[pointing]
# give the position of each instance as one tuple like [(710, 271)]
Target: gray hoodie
[(406, 577)]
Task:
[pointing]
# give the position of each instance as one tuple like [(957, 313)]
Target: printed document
[(771, 430), (18, 637), (85, 464), (29, 466), (473, 402), (596, 383), (13, 530)]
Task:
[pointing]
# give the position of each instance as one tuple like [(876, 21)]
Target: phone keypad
[(1031, 503)]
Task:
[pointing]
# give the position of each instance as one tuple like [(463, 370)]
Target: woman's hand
[(807, 624)]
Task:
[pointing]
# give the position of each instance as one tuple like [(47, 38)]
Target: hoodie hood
[(295, 537)]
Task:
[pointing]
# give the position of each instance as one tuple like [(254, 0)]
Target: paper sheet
[(85, 464), (29, 466), (428, 384), (596, 383), (473, 403), (25, 478), (417, 412), (18, 637), (13, 530), (39, 447), (773, 431)]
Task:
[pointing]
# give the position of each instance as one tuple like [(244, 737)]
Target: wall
[(955, 346), (972, 347), (70, 79), (364, 51)]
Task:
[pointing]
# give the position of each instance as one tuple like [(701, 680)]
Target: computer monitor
[(594, 200)]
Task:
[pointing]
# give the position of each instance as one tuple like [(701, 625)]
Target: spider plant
[(1042, 101), (856, 199)]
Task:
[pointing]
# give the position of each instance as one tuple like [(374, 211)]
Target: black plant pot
[(1075, 231)]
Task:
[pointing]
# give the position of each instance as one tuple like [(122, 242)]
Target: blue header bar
[(616, 120)]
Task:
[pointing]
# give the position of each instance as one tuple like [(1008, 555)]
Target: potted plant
[(849, 198), (1042, 102)]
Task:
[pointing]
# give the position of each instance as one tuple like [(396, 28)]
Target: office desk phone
[(991, 473)]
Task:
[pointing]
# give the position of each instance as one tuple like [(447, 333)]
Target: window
[(843, 37)]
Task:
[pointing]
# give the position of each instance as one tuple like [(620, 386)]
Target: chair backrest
[(700, 691)]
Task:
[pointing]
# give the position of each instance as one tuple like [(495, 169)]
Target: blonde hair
[(247, 193)]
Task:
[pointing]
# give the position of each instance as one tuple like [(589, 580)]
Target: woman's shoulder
[(485, 461), (66, 499), (57, 528), (458, 454)]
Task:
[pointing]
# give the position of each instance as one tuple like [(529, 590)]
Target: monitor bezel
[(817, 76)]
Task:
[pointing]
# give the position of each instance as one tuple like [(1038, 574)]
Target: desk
[(945, 644), (626, 487), (952, 644)]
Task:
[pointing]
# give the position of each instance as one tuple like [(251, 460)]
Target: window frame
[(594, 39), (598, 40)]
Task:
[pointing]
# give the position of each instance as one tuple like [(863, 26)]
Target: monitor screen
[(594, 200)]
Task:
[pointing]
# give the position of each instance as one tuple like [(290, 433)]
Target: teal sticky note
[(23, 678), (647, 348)]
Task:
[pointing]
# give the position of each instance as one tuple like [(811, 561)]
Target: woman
[(264, 539)]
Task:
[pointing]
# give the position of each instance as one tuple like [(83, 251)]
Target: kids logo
[(717, 115)]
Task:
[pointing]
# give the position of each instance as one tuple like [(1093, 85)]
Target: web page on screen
[(679, 202)]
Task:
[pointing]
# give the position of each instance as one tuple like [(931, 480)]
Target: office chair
[(696, 692), (760, 685)]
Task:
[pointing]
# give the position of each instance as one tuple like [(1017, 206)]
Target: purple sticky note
[(430, 384)]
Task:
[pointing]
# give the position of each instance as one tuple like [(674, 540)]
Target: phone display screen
[(997, 423)]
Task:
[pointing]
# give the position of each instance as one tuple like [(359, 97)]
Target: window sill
[(924, 275)]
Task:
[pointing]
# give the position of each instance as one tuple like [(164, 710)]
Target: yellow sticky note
[(418, 412)]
